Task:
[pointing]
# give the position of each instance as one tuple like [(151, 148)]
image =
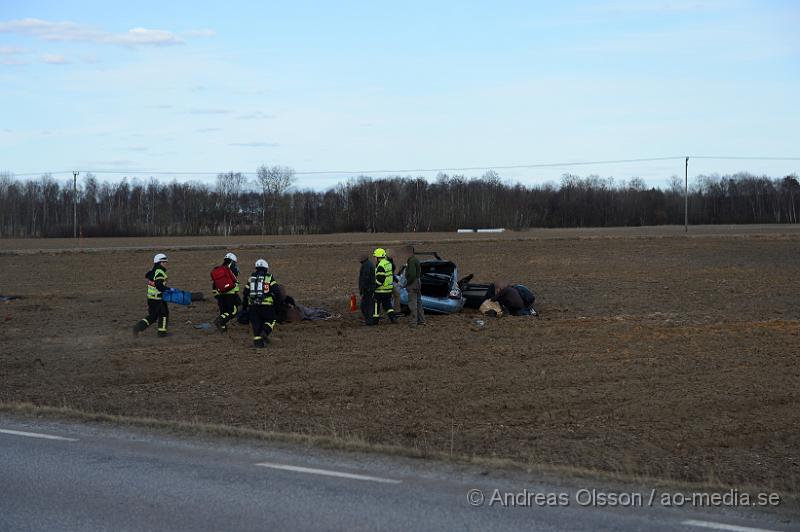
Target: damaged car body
[(440, 291)]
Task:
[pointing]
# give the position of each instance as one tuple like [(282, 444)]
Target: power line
[(405, 170), (35, 174), (720, 157), (428, 170), (498, 167), (128, 172)]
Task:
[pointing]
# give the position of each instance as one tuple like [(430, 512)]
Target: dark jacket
[(413, 270), (159, 283), (366, 277), (509, 299), (276, 296)]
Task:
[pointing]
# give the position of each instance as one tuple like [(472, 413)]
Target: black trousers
[(367, 308), (262, 318), (157, 312), (385, 301), (228, 307)]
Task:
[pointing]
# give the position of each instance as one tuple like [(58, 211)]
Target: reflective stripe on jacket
[(269, 284), (234, 290), (384, 277), (156, 276)]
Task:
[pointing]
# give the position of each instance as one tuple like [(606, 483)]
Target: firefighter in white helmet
[(157, 311), (225, 287), (262, 294)]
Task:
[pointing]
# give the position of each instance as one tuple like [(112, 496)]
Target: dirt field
[(655, 353)]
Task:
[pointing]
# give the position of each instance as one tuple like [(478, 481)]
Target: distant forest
[(269, 204)]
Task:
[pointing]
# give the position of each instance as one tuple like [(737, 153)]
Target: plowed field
[(655, 353)]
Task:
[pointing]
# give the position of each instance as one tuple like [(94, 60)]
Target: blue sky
[(321, 86)]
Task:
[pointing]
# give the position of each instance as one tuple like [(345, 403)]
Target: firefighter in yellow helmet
[(384, 284)]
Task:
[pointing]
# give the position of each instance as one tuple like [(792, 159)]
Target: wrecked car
[(440, 291)]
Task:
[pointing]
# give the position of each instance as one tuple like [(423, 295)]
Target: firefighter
[(384, 285), (225, 287), (262, 294), (157, 311)]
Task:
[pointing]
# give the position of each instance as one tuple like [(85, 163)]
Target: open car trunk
[(437, 278)]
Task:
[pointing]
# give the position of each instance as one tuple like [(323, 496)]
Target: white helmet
[(261, 263), (232, 257), (160, 257)]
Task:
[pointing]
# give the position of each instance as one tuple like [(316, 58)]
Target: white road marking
[(722, 526), (35, 435), (328, 473)]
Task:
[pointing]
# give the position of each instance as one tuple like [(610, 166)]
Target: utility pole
[(686, 198), (75, 204)]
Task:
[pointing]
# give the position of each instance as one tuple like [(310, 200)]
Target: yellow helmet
[(379, 253)]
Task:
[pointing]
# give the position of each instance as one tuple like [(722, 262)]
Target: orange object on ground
[(353, 306)]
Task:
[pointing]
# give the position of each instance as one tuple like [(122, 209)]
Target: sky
[(145, 88)]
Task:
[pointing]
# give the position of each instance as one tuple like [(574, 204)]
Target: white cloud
[(133, 148), (71, 32), (672, 6), (258, 115), (209, 111), (54, 59), (199, 33), (8, 55), (145, 37), (256, 144), (117, 164), (10, 50)]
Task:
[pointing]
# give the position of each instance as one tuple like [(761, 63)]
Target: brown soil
[(655, 354)]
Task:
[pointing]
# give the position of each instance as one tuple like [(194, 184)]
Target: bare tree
[(274, 181), (229, 189), (43, 207)]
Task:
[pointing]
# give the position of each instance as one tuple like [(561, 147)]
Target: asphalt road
[(97, 477)]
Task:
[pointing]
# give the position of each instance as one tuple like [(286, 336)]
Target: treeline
[(43, 207)]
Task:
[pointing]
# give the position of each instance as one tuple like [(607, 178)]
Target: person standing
[(157, 310), (396, 272), (225, 287), (384, 285), (262, 294), (414, 288), (366, 288)]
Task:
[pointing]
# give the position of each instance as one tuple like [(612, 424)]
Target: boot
[(220, 325), (259, 344), (138, 327), (163, 334)]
